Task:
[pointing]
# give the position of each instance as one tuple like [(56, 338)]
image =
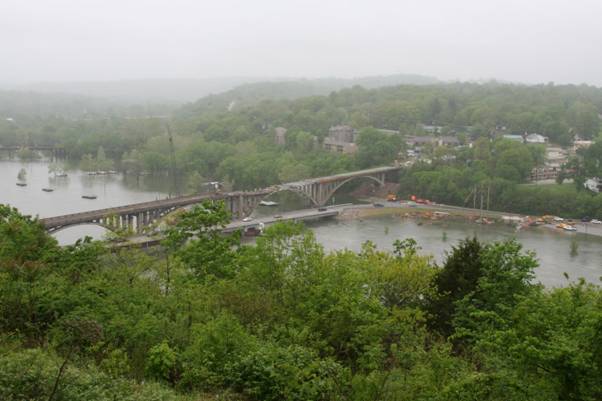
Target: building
[(431, 129), (445, 140), (280, 136), (342, 133), (514, 137), (536, 138), (448, 140), (556, 156), (581, 144), (341, 139), (544, 173), (421, 140), (593, 184)]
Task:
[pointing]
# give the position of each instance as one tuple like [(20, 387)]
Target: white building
[(513, 137), (593, 184), (536, 138)]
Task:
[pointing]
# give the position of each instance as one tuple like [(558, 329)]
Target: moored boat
[(89, 196), (47, 189)]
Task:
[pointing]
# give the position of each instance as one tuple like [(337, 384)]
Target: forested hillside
[(217, 138), (208, 318)]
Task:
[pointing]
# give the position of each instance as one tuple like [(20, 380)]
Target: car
[(378, 205), (246, 219), (322, 209), (278, 216), (558, 219), (596, 221), (585, 219)]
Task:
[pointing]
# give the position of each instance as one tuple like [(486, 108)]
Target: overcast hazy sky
[(518, 40)]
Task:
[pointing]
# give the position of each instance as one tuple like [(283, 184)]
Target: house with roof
[(514, 137), (341, 139), (536, 138)]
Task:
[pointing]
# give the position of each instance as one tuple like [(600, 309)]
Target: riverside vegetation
[(230, 138), (207, 317)]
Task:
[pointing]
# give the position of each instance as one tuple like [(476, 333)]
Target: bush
[(30, 375), (274, 373)]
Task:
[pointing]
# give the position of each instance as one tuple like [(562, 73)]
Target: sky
[(531, 41)]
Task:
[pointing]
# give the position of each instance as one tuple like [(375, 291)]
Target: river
[(553, 248)]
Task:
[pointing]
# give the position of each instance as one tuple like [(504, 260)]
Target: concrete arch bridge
[(136, 217)]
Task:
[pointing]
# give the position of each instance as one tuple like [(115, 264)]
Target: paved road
[(297, 215)]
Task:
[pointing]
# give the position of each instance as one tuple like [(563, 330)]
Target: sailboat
[(21, 177)]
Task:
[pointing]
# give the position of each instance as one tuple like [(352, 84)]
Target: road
[(297, 215)]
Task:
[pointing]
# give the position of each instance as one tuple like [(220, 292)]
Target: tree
[(458, 278), (199, 242), (376, 148), (87, 163), (506, 276)]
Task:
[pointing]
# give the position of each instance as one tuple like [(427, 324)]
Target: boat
[(21, 177), (47, 189), (89, 196), (566, 227), (268, 203), (61, 175)]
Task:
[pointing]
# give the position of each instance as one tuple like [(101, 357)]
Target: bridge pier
[(137, 216)]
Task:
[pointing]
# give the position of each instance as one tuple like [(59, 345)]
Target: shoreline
[(445, 212)]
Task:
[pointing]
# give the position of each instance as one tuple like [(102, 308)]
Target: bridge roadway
[(342, 176), (86, 217), (240, 204), (143, 241)]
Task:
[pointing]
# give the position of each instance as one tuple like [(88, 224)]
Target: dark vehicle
[(252, 232), (378, 205), (322, 209), (586, 219), (278, 216)]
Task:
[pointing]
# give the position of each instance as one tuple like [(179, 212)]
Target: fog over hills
[(188, 90)]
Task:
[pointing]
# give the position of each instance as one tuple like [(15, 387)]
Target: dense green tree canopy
[(282, 319)]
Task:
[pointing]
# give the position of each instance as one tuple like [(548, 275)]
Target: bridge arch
[(107, 227), (338, 185), (295, 191)]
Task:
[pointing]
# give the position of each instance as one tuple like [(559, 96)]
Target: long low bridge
[(56, 152), (136, 217)]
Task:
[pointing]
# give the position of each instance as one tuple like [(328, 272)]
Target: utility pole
[(174, 181), (481, 193), (488, 189)]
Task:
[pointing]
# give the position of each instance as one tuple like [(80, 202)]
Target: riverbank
[(437, 212)]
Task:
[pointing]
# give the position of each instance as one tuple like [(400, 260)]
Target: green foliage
[(199, 242), (28, 375), (282, 319), (273, 373), (161, 362), (457, 278), (376, 148), (211, 360)]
